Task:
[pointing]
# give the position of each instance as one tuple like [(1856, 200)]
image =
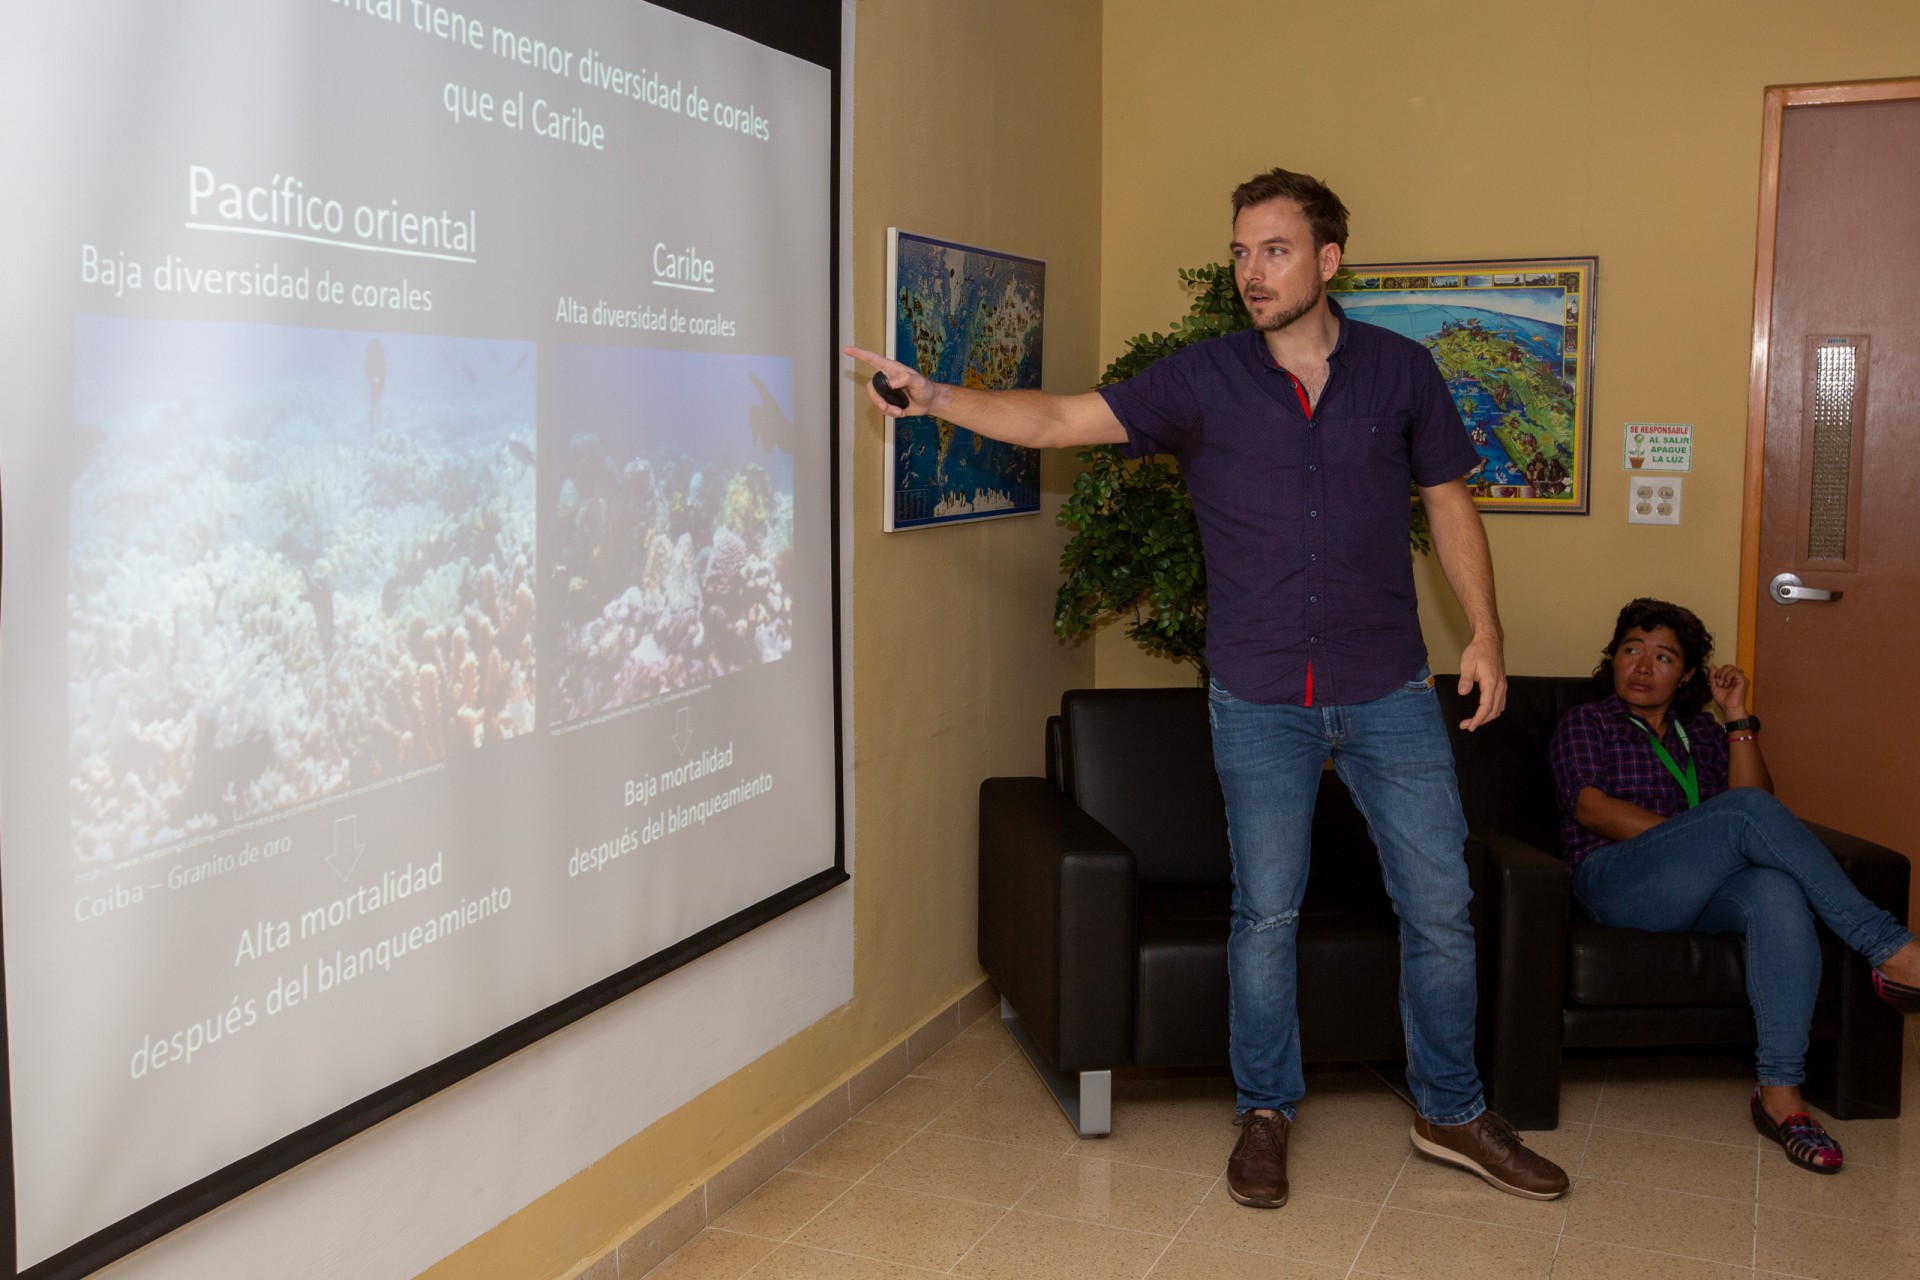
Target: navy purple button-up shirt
[(1596, 745), (1304, 520)]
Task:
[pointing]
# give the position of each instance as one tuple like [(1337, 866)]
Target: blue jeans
[(1394, 757), (1742, 863)]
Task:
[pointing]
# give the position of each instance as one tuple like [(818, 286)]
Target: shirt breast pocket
[(1371, 451)]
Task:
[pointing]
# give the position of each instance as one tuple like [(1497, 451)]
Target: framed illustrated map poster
[(1514, 339), (972, 317)]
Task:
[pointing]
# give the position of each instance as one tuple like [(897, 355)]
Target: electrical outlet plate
[(1654, 499)]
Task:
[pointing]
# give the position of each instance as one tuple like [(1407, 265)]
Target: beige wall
[(976, 120), (1629, 129)]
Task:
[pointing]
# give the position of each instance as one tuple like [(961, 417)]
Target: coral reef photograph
[(669, 531), (301, 561)]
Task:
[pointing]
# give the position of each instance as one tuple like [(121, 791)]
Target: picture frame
[(1514, 339), (972, 317)]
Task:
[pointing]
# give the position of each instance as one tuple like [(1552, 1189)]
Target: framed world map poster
[(1514, 339), (969, 316)]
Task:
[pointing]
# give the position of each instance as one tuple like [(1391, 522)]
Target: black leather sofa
[(1105, 897), (1601, 988)]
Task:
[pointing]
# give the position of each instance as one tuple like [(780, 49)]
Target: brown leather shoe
[(1257, 1169), (1489, 1146)]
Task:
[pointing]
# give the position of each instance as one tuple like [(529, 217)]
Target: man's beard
[(1281, 319)]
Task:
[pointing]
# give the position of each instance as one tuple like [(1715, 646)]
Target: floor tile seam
[(1663, 1253), (1018, 1146), (1674, 1137), (801, 1173), (1353, 1266), (960, 1081), (1267, 1254), (1580, 1160), (1485, 1222), (868, 1181), (842, 1253), (1137, 1164), (872, 1124), (838, 1196), (1648, 1186), (1428, 1213), (1553, 1262), (1009, 1208), (719, 1232), (1398, 1145), (1026, 1191), (966, 1253), (1868, 1220), (1175, 1238), (1007, 1052), (1841, 1222), (1089, 1222), (1038, 1100), (964, 1137), (916, 1129), (1385, 1148), (1080, 1153)]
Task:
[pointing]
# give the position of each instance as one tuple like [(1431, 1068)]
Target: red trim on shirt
[(1300, 389), (1306, 407)]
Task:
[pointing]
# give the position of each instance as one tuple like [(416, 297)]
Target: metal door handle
[(1786, 589)]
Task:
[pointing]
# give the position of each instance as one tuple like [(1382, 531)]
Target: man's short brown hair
[(1326, 216)]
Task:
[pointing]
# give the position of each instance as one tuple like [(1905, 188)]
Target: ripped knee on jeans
[(1275, 922)]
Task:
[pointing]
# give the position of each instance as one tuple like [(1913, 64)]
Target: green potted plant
[(1135, 551)]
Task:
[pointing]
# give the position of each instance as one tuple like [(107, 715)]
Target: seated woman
[(1669, 823)]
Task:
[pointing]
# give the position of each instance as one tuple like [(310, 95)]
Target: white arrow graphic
[(347, 846), (683, 729)]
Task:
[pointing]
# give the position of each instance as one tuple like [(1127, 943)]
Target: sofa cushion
[(1506, 783), (1349, 961), (1630, 967), (1140, 763)]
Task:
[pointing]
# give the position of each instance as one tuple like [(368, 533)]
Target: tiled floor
[(967, 1168)]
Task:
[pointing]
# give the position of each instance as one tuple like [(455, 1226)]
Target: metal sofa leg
[(1086, 1096)]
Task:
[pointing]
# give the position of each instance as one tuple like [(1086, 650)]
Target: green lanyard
[(1690, 780)]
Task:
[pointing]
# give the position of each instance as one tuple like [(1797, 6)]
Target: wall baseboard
[(687, 1217)]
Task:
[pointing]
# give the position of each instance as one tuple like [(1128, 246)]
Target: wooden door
[(1837, 374)]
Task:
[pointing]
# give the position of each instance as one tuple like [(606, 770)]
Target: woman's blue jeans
[(1742, 863), (1394, 756)]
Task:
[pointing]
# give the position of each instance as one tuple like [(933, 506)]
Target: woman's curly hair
[(1696, 646)]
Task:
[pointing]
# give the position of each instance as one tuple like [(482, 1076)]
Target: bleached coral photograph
[(669, 542), (301, 562)]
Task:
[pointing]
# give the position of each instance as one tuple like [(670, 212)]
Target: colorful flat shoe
[(1898, 994), (1801, 1137)]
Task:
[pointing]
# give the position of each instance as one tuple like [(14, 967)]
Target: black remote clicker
[(892, 395)]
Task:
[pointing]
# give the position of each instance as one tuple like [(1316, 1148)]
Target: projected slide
[(416, 468)]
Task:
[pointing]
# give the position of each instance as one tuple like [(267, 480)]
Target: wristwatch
[(1750, 723)]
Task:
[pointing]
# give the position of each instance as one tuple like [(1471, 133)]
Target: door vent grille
[(1835, 404)]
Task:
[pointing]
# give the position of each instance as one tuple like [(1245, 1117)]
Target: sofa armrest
[(1857, 1074), (1528, 920), (1058, 897), (1882, 874)]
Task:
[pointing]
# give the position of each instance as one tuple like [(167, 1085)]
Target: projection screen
[(418, 617)]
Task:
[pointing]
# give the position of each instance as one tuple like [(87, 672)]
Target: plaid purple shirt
[(1596, 745)]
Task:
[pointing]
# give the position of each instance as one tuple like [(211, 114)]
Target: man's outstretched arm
[(1032, 418), (1460, 540)]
